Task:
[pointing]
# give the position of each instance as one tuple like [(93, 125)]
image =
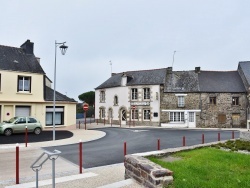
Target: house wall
[(210, 112), (9, 83), (125, 102), (208, 116)]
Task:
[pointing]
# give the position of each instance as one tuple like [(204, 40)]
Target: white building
[(131, 97)]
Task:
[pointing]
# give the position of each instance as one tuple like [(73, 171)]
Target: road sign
[(85, 106)]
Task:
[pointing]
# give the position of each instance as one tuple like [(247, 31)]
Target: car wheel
[(8, 132), (37, 130)]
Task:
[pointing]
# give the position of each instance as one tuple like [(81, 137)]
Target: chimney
[(28, 47), (197, 69), (169, 70)]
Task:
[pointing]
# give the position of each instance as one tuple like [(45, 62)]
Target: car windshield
[(12, 120)]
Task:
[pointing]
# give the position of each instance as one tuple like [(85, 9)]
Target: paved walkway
[(67, 173)]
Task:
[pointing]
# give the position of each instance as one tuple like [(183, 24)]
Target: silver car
[(18, 125)]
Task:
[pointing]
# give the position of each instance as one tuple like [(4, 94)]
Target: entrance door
[(110, 115), (123, 117), (236, 120), (191, 119)]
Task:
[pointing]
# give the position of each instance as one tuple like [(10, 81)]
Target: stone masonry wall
[(146, 172)]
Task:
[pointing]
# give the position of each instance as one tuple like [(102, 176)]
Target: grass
[(208, 168), (234, 145)]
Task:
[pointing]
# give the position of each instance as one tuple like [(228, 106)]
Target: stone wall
[(235, 115), (146, 172)]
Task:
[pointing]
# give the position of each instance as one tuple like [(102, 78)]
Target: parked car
[(18, 125)]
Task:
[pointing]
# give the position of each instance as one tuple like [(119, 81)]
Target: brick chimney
[(28, 47)]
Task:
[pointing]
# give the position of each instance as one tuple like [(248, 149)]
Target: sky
[(131, 34)]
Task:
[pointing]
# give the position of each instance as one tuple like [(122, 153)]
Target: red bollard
[(26, 136), (233, 135), (125, 148), (183, 141), (158, 144), (203, 139), (218, 136), (17, 163), (80, 157)]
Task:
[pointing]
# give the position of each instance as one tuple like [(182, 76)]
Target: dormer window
[(212, 100)]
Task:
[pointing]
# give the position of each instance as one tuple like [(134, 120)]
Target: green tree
[(88, 97)]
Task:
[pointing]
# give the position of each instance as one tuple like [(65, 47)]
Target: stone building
[(203, 99)]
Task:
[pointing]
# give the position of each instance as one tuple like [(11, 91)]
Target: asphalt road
[(44, 136), (110, 149)]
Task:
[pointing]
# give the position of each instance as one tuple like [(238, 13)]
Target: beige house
[(26, 90)]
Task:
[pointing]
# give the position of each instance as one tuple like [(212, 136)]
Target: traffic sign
[(85, 106)]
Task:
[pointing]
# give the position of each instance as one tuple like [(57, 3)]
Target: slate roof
[(143, 77), (245, 68), (181, 81), (49, 96), (15, 59), (218, 81)]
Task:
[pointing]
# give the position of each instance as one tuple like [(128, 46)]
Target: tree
[(88, 97)]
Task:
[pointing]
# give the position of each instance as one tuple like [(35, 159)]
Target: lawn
[(208, 167)]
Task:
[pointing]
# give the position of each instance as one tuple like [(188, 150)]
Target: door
[(20, 125), (191, 119), (236, 120), (110, 115), (123, 117)]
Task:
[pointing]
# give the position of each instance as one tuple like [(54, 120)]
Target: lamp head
[(63, 48)]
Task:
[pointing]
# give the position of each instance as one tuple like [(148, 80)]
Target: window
[(212, 100), (235, 100), (134, 114), (181, 101), (102, 112), (32, 120), (176, 116), (221, 118), (146, 92), (191, 116), (102, 96), (146, 114), (115, 100), (59, 115), (134, 93), (24, 83)]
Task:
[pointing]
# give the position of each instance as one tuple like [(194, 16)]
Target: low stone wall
[(146, 172), (150, 174), (245, 135)]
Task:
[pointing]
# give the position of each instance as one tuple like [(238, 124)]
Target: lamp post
[(63, 50)]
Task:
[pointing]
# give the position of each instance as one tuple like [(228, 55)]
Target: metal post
[(85, 119), (80, 157), (17, 163), (54, 97), (26, 136), (53, 173), (36, 178), (158, 144)]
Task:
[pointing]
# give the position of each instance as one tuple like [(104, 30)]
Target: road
[(109, 149)]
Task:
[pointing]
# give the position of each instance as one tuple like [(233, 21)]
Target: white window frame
[(146, 93), (134, 114), (191, 116), (134, 93), (181, 99), (102, 113), (24, 84), (177, 117), (146, 114), (102, 96)]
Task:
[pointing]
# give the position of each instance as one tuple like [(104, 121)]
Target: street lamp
[(63, 50)]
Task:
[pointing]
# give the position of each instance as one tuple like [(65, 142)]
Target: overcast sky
[(132, 34)]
